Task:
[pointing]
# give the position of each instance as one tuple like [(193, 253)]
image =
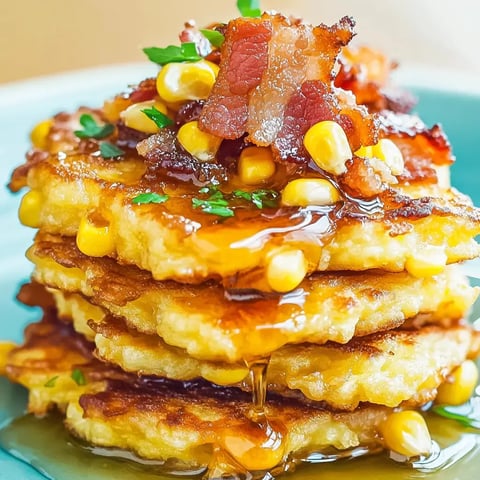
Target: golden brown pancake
[(199, 319), (161, 419), (175, 241)]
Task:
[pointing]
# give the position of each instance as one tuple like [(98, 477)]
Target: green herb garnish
[(150, 197), (78, 377), (249, 8), (260, 198), (215, 204), (91, 129), (109, 150), (214, 37), (51, 383), (467, 414), (160, 119), (186, 52)]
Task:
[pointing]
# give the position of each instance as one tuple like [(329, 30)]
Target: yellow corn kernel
[(177, 82), (40, 132), (30, 209), (255, 165), (328, 145), (460, 384), (5, 349), (407, 434), (95, 239), (133, 116), (286, 270), (303, 192), (431, 260), (387, 151), (200, 144), (113, 107), (364, 152), (223, 376)]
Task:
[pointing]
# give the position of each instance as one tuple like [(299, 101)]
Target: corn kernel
[(365, 152), (387, 151), (407, 433), (303, 192), (286, 270), (40, 132), (328, 145), (459, 387), (223, 376), (430, 261), (112, 108), (200, 144), (255, 165), (95, 239), (178, 82), (30, 209), (133, 117), (5, 349)]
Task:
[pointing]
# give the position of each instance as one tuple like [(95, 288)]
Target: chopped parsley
[(91, 129), (260, 198), (215, 204), (249, 8), (467, 414), (109, 150), (161, 120), (51, 383), (150, 197), (219, 204), (214, 37), (186, 52), (78, 377)]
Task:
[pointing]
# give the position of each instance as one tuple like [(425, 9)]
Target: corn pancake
[(202, 321), (161, 419), (175, 241), (385, 368)]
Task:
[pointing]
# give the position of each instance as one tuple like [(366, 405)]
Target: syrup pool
[(46, 446)]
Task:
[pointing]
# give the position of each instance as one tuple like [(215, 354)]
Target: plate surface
[(24, 104)]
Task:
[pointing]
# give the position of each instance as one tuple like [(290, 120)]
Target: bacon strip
[(244, 59)]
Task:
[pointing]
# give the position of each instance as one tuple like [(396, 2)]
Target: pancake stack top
[(264, 216)]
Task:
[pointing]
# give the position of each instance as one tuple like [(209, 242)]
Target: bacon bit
[(164, 156), (361, 180), (128, 137), (244, 60), (144, 91), (189, 112), (314, 103), (422, 147), (191, 34)]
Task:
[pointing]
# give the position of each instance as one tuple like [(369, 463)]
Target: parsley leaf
[(467, 414), (260, 198), (160, 119), (186, 52), (249, 8), (91, 129), (150, 197), (51, 383), (78, 377), (109, 150), (214, 37), (215, 204)]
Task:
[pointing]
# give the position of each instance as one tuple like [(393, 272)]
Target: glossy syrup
[(46, 445)]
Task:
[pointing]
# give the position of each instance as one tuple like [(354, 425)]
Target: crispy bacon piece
[(422, 147), (164, 156), (365, 72), (316, 102), (145, 90), (275, 82), (244, 60)]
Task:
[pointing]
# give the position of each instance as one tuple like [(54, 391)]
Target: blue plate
[(24, 104)]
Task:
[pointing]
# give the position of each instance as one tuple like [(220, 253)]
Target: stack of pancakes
[(165, 345)]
